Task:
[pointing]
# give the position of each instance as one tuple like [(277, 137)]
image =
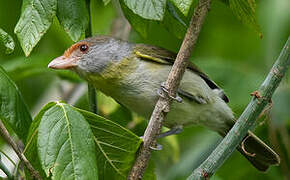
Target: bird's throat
[(110, 80)]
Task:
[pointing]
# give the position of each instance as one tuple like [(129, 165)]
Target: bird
[(132, 74)]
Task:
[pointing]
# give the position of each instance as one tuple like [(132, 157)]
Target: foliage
[(65, 139), (13, 111), (35, 20), (7, 41), (73, 17)]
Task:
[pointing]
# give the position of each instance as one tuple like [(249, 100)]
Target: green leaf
[(116, 148), (7, 41), (183, 5), (65, 144), (30, 150), (147, 9), (173, 22), (73, 17), (13, 110), (34, 21), (245, 11), (138, 23)]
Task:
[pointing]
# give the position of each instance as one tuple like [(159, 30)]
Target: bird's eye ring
[(84, 48)]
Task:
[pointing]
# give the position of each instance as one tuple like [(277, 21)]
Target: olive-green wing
[(163, 56)]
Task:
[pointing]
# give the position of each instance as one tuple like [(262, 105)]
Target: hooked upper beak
[(63, 62)]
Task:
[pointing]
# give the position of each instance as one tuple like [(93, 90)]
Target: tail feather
[(257, 152)]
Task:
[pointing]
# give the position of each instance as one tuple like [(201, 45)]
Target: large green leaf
[(34, 21), (147, 9), (13, 110), (7, 41), (66, 145), (116, 148), (245, 11), (183, 5), (73, 17), (30, 150)]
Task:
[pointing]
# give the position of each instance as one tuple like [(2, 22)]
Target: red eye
[(84, 48)]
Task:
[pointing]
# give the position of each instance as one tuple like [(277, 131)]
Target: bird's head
[(92, 55)]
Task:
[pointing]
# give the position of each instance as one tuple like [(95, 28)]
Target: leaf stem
[(247, 119), (172, 83), (91, 90)]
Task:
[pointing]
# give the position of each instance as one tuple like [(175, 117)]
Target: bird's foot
[(163, 90), (158, 147), (172, 131)]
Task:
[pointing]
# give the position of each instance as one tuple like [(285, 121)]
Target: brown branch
[(172, 83), (5, 134)]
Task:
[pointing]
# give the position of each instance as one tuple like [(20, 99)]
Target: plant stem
[(5, 134), (247, 119), (92, 98), (172, 83), (91, 89)]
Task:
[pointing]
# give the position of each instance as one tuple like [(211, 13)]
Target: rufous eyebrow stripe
[(75, 46)]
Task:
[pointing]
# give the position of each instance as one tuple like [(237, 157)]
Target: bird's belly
[(215, 115), (185, 113)]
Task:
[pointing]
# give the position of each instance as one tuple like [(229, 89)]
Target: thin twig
[(5, 134), (91, 89), (172, 83), (247, 119), (92, 98)]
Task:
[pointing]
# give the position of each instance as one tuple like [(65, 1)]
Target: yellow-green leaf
[(73, 17), (245, 11), (7, 41), (34, 21), (147, 9), (65, 144), (183, 5)]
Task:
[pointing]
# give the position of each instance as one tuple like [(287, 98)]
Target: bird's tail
[(257, 152)]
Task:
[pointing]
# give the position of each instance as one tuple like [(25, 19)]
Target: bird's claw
[(172, 131), (157, 148), (165, 90)]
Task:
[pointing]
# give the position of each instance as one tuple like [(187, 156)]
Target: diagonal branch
[(5, 134), (172, 83), (247, 119)]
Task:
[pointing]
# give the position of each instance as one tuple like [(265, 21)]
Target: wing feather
[(163, 56)]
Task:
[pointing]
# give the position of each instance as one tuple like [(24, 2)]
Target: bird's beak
[(63, 62)]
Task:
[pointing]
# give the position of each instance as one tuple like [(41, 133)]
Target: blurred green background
[(232, 54)]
